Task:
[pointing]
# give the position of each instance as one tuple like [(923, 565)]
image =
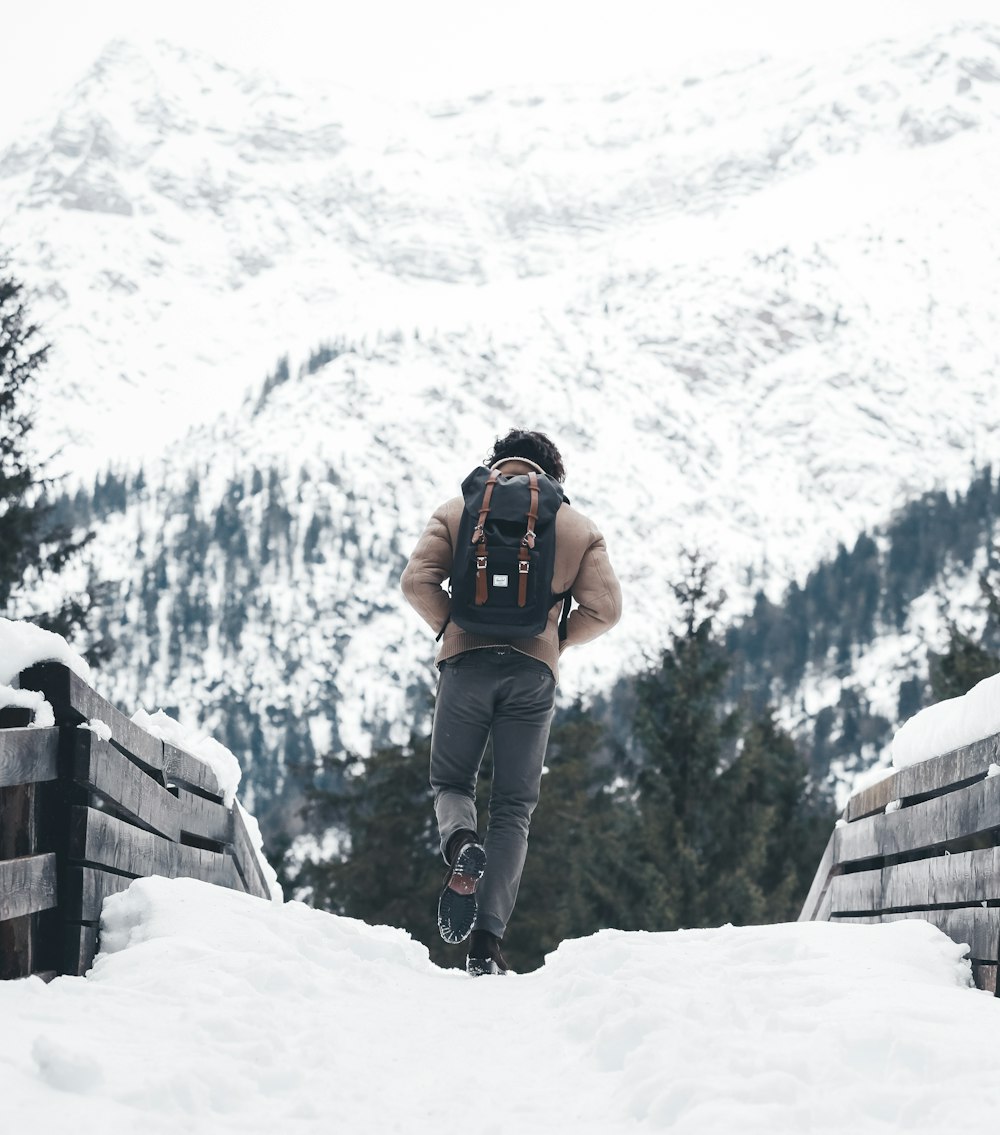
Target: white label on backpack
[(500, 580)]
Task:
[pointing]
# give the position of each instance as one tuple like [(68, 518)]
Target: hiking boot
[(457, 901), (484, 954)]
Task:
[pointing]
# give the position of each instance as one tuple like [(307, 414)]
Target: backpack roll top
[(501, 584)]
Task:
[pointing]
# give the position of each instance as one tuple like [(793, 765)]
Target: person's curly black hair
[(532, 445)]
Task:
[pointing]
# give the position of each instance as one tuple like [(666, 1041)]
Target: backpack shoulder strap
[(484, 508), (527, 543), (479, 537)]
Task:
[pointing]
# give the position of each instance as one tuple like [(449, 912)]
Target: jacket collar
[(516, 465)]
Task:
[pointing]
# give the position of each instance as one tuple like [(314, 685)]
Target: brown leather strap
[(527, 543), (478, 532), (479, 537), (481, 592), (522, 576)]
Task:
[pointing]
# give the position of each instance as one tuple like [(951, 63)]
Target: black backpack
[(501, 577)]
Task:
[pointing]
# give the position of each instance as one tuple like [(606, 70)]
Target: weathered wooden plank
[(246, 859), (935, 775), (966, 877), (933, 824), (977, 927), (100, 840), (985, 977), (17, 947), (27, 885), (86, 888), (821, 880), (18, 839), (860, 892), (113, 777), (73, 702), (28, 756), (16, 717), (182, 768), (204, 819), (80, 944), (17, 821)]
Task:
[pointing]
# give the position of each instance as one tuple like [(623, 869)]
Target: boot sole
[(457, 907)]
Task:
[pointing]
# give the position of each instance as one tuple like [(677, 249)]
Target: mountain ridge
[(757, 312)]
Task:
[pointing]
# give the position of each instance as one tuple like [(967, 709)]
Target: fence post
[(17, 838)]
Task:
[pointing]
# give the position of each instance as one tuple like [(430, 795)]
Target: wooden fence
[(923, 843), (80, 818)]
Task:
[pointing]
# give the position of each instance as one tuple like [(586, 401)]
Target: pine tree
[(32, 544), (962, 665), (726, 829), (684, 734), (970, 658), (771, 829)]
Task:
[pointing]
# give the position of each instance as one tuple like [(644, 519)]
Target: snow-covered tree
[(32, 544)]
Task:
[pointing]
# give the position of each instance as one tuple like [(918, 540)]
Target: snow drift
[(215, 1012)]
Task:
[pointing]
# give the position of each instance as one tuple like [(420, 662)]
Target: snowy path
[(213, 1012)]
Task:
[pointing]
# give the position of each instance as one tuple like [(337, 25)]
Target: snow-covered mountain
[(799, 227), (756, 307)]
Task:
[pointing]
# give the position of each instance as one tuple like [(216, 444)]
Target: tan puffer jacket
[(581, 567)]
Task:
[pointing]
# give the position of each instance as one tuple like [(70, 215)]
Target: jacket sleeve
[(598, 595), (427, 569)]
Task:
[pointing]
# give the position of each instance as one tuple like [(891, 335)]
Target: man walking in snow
[(495, 679)]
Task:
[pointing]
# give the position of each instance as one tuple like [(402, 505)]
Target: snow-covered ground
[(210, 1011)]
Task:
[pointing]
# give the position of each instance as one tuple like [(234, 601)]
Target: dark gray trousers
[(500, 691)]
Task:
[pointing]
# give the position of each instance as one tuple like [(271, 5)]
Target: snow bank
[(212, 1012), (949, 725), (23, 645), (206, 749)]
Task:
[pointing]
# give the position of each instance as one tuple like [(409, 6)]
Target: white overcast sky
[(429, 47)]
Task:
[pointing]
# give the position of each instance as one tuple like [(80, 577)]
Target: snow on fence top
[(23, 645), (209, 751), (949, 725)]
